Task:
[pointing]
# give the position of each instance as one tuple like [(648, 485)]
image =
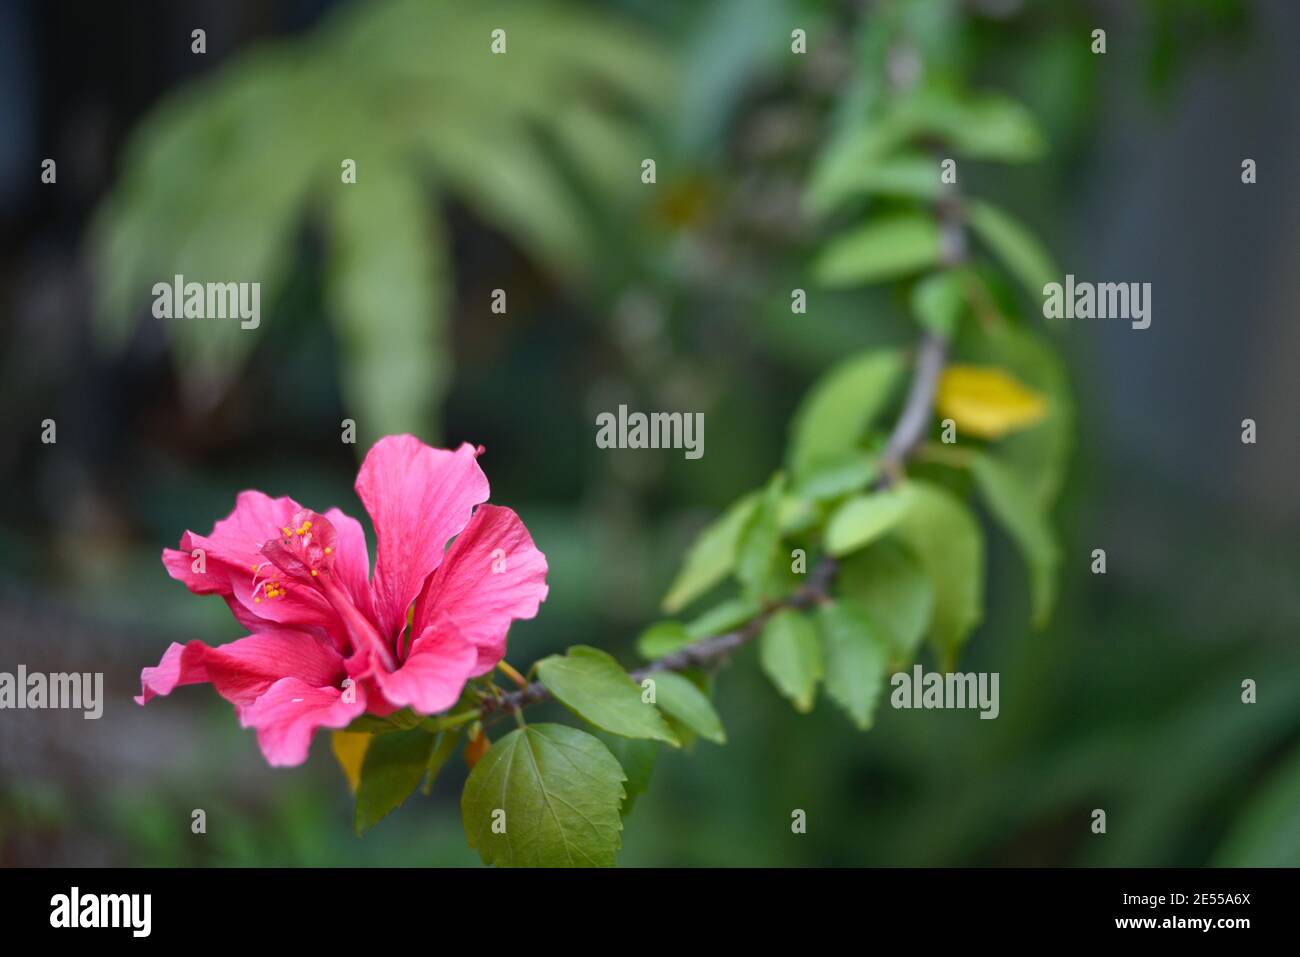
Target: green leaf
[(869, 161), (662, 638), (863, 519), (595, 687), (890, 582), (637, 756), (438, 759), (856, 656), (757, 549), (722, 618), (885, 248), (837, 475), (1012, 503), (390, 773), (555, 793), (791, 657), (681, 699), (939, 300), (840, 407), (980, 127), (712, 556), (946, 538), (1013, 242), (1266, 833), (1038, 455), (848, 168), (906, 175)]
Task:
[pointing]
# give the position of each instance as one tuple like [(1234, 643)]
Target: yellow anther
[(328, 551), (313, 573)]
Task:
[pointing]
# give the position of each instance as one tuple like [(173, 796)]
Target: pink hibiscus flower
[(327, 640)]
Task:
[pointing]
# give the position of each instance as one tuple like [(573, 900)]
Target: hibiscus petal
[(233, 545), (233, 565), (352, 563), (242, 670), (175, 669), (289, 712), (418, 498), (492, 575), (432, 678), (295, 606)]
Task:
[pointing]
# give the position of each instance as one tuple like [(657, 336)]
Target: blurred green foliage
[(1129, 701), (220, 182)]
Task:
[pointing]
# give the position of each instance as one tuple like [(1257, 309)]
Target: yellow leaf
[(350, 749), (987, 402)]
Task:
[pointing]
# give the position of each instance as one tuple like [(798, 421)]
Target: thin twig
[(907, 436)]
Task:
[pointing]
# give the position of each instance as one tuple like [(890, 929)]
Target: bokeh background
[(375, 306)]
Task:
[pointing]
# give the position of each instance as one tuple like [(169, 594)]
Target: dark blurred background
[(378, 309)]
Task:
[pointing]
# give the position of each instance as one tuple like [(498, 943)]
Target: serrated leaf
[(637, 757), (869, 161), (756, 550), (722, 617), (662, 638), (393, 767), (349, 749), (837, 475), (595, 687), (1012, 503), (987, 402), (979, 126), (842, 169), (712, 556), (856, 656), (1013, 243), (939, 300), (891, 583), (679, 698), (558, 791), (791, 657), (905, 175), (947, 540), (862, 519), (840, 407), (888, 247)]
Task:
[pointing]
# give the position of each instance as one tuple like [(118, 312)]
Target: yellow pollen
[(313, 573), (328, 551)]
